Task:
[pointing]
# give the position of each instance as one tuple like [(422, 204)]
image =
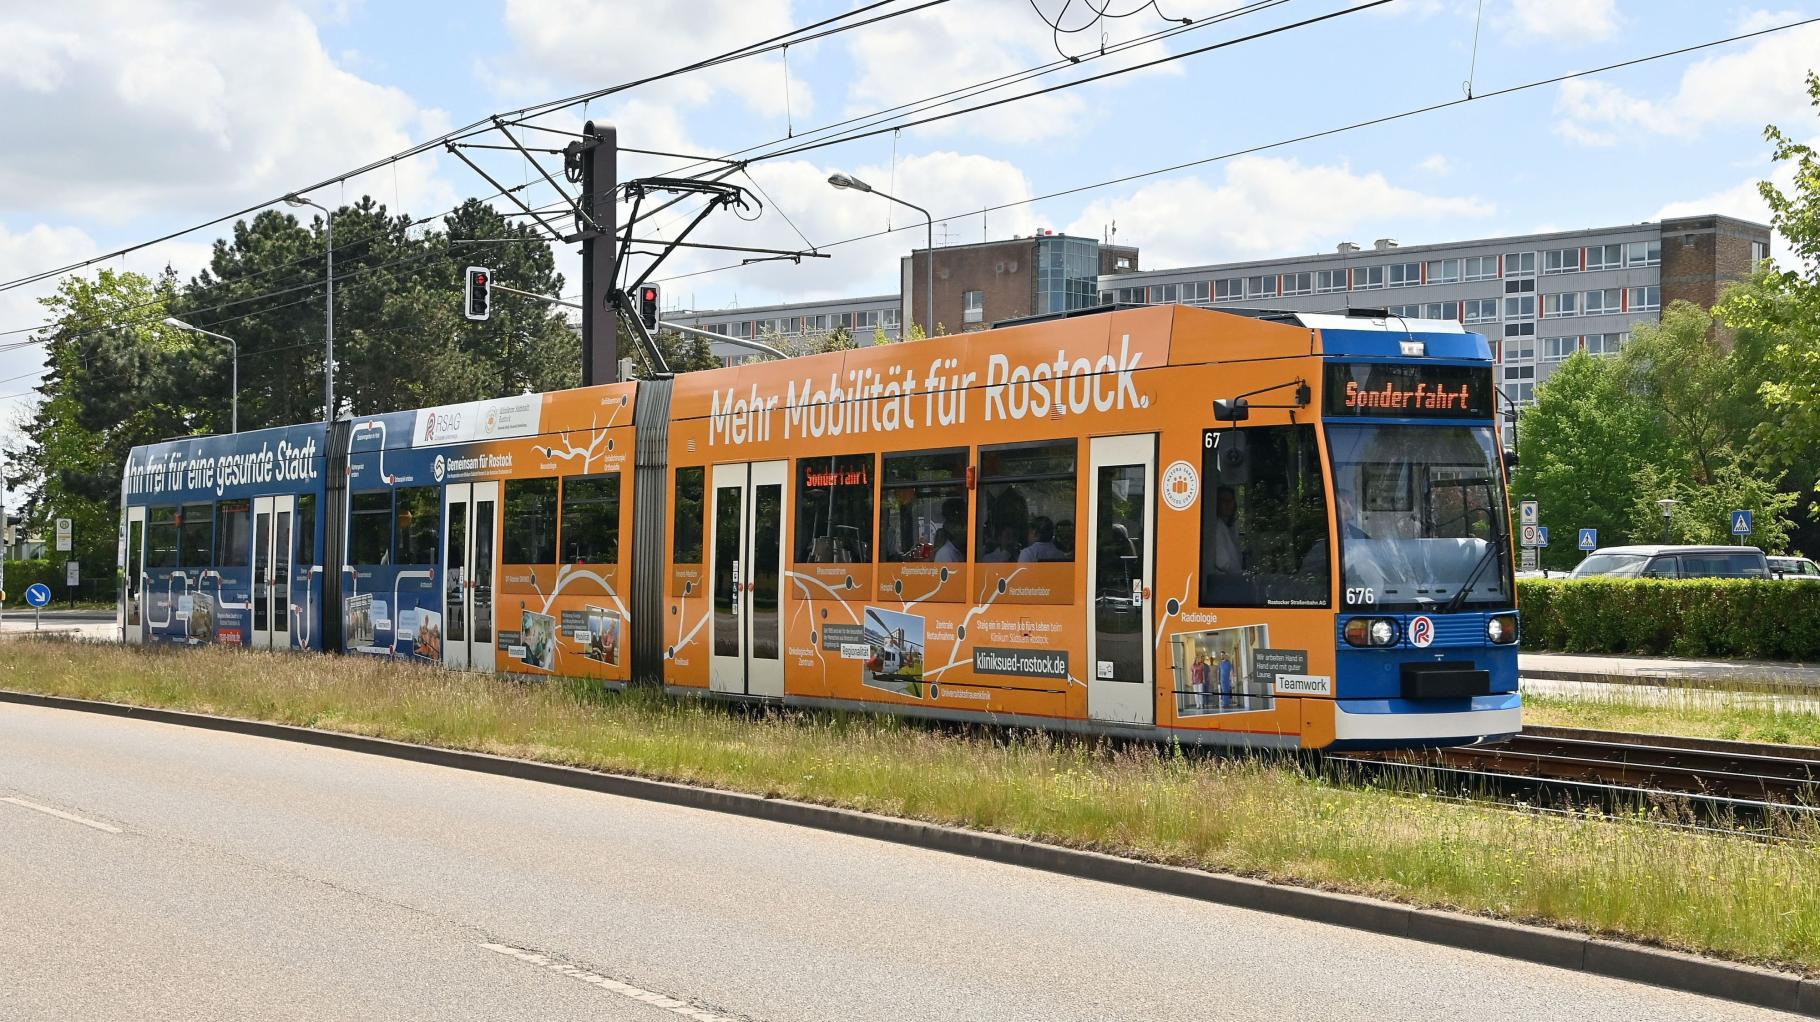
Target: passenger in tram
[(1224, 538), (951, 538), (1042, 543), (1005, 546)]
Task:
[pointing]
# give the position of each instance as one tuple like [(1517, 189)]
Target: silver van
[(1674, 562)]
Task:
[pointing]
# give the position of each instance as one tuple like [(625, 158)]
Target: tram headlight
[(1371, 631), (1501, 629)]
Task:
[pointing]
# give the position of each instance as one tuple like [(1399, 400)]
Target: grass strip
[(1788, 718), (1719, 894)]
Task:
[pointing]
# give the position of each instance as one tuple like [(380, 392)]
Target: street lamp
[(840, 180), (1668, 509), (174, 322), (328, 365)]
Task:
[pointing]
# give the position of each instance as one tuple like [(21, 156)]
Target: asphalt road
[(207, 875)]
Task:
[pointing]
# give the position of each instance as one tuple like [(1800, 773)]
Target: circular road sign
[(38, 594)]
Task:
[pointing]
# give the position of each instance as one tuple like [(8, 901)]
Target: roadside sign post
[(1531, 535), (65, 535), (73, 578), (37, 594), (1541, 535), (1589, 540), (1741, 524), (1529, 513)]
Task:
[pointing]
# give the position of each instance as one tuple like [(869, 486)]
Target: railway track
[(1679, 778)]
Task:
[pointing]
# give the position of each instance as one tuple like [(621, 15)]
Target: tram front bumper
[(1387, 722)]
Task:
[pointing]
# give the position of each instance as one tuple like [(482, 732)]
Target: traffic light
[(479, 304), (647, 306)]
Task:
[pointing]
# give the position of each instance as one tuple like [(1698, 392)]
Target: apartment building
[(862, 318)]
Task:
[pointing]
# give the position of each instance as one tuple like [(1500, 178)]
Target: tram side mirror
[(1235, 409), (1510, 461)]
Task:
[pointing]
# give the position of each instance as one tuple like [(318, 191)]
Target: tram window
[(161, 538), (370, 528), (418, 524), (1026, 505), (590, 520), (530, 533), (922, 511), (195, 534), (685, 534), (305, 529), (1264, 529), (233, 542), (834, 509)]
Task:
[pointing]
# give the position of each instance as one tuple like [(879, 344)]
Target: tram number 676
[(1358, 595)]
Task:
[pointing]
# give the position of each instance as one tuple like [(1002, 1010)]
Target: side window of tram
[(686, 533), (195, 535), (418, 524), (1026, 503), (530, 532), (1264, 539), (161, 537), (233, 537), (590, 520), (922, 513), (305, 529), (370, 528), (834, 510)]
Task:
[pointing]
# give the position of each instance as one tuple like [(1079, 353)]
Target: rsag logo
[(1421, 631)]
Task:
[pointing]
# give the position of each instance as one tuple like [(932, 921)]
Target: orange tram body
[(1168, 522)]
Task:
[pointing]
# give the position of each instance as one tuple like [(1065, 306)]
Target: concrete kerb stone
[(1558, 948)]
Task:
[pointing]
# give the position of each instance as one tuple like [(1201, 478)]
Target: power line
[(483, 126), (1326, 132)]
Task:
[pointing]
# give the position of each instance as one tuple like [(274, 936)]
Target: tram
[(1278, 530)]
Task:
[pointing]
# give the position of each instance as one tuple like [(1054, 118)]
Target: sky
[(130, 119)]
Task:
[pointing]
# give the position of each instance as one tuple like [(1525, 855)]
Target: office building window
[(1479, 268), (1514, 373), (1519, 330), (1298, 283), (1261, 287), (1561, 260), (1604, 344), (1759, 251), (1554, 349), (1600, 303), (1644, 253), (1643, 299), (1566, 303), (1195, 292), (889, 318), (1519, 264), (1443, 271), (1229, 289), (1404, 274), (1519, 287), (1520, 308), (1162, 294), (973, 309), (1481, 310), (1367, 278), (1441, 310), (1326, 281), (1604, 257), (1520, 350)]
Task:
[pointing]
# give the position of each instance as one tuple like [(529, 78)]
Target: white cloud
[(1744, 201), (1764, 82), (1562, 21), (582, 44), (1267, 207), (1437, 164), (132, 107), (23, 252)]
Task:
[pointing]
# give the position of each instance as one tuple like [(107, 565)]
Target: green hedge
[(20, 574), (1772, 619)]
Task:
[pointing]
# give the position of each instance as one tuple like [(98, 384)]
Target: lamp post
[(328, 361), (1668, 509), (175, 323), (840, 180)]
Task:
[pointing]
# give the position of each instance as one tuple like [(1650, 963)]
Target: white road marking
[(60, 814), (655, 1000)]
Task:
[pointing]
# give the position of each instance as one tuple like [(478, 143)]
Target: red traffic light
[(480, 278), (650, 294)]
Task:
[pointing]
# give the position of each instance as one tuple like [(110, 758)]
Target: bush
[(96, 585), (1776, 619)]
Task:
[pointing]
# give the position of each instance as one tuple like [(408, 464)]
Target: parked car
[(1674, 562), (1802, 568)]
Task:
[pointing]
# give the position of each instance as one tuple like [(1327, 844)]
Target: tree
[(1580, 451), (1702, 513), (1702, 390)]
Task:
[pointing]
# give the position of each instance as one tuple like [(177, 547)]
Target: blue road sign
[(1542, 539), (38, 594), (1741, 523), (1589, 539)]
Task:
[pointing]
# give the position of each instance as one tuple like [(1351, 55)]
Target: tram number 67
[(1361, 595), (1210, 439)]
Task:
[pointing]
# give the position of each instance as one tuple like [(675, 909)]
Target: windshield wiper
[(1497, 548)]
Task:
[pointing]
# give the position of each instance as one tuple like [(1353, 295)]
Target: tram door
[(271, 585), (470, 513), (132, 577), (1121, 663), (746, 547)]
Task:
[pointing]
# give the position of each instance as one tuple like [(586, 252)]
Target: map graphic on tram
[(894, 661)]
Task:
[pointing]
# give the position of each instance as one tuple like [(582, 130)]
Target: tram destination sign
[(1401, 390)]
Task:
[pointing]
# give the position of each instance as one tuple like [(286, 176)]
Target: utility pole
[(598, 156)]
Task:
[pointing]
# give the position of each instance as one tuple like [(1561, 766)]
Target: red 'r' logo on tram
[(1421, 630)]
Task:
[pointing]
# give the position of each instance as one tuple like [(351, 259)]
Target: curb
[(1559, 948)]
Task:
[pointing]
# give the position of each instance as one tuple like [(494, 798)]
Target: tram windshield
[(1422, 517)]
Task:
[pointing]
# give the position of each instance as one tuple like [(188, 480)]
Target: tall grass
[(1783, 715), (1714, 893)]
